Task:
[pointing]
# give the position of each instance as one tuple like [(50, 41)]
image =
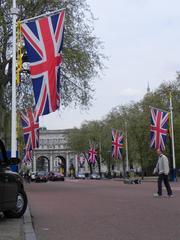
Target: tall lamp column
[(172, 140)]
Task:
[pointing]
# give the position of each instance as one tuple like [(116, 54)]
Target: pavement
[(22, 228), (17, 229)]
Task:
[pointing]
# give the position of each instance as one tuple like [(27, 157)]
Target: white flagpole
[(14, 12), (47, 14), (127, 158), (162, 110), (172, 137)]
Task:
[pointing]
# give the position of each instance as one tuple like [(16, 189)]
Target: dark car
[(13, 199), (55, 176), (41, 176)]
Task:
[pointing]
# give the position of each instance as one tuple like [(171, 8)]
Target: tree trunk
[(99, 166), (2, 123)]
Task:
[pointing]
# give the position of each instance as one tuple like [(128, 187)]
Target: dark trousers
[(163, 177)]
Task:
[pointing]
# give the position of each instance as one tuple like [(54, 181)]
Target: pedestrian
[(162, 168), (28, 176)]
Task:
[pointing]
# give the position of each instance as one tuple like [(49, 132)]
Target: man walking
[(162, 168)]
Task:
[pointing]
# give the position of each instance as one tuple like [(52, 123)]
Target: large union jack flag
[(158, 128), (117, 144), (43, 42), (92, 155), (27, 156), (30, 127)]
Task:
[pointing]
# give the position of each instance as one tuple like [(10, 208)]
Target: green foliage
[(135, 118), (82, 57)]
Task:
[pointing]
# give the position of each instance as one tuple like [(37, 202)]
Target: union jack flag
[(43, 42), (92, 155), (158, 128), (117, 144), (81, 160), (30, 126), (27, 156)]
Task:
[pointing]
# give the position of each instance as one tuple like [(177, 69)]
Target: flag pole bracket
[(14, 11)]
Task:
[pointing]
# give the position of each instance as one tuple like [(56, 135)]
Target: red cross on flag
[(30, 126), (92, 155), (117, 144)]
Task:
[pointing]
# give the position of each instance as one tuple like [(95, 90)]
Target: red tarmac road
[(99, 210)]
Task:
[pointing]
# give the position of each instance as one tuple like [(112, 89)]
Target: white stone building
[(54, 154)]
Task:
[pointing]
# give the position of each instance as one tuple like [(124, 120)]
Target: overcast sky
[(142, 40)]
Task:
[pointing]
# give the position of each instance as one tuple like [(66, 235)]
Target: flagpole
[(14, 12), (172, 137), (100, 157), (158, 109), (127, 157), (42, 15)]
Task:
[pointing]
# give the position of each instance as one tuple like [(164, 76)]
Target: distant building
[(54, 154), (148, 88)]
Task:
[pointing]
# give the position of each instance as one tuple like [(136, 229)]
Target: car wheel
[(21, 206)]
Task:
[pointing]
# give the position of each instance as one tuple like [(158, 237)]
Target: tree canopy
[(135, 118), (82, 52)]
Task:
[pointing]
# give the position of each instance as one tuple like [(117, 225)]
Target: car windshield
[(57, 174), (41, 173)]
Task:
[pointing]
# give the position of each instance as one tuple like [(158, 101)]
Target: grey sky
[(142, 40)]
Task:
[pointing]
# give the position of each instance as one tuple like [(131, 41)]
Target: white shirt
[(162, 165)]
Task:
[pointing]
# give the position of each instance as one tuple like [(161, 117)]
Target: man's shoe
[(171, 196), (156, 195)]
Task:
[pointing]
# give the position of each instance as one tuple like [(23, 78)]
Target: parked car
[(95, 176), (55, 176), (41, 176), (13, 199), (80, 176)]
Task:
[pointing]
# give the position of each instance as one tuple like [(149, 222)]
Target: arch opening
[(43, 164), (60, 165)]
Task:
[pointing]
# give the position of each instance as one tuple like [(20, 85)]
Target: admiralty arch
[(54, 153)]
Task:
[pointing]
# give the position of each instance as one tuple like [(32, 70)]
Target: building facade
[(54, 154)]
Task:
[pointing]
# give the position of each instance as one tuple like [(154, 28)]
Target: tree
[(137, 116), (81, 139), (82, 57)]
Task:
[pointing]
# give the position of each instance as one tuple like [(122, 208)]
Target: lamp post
[(172, 139), (109, 164), (126, 143), (14, 12)]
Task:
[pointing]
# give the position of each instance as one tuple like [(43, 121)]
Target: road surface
[(103, 209)]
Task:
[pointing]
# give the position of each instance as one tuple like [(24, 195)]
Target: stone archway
[(43, 164), (61, 162)]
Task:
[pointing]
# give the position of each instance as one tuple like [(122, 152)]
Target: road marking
[(45, 229), (72, 180), (176, 188)]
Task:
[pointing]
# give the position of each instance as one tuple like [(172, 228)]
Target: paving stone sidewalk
[(17, 229), (11, 229)]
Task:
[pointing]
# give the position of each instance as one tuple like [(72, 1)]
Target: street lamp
[(172, 139)]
